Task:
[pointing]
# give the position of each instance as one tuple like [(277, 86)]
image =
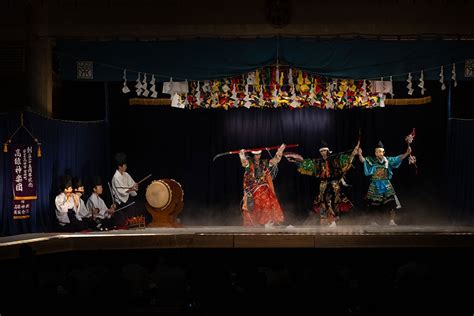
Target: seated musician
[(67, 206), (78, 190), (101, 215), (125, 188)]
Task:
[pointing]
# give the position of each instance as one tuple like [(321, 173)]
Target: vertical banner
[(22, 209), (23, 179)]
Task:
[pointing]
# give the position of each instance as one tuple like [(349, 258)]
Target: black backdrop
[(180, 144)]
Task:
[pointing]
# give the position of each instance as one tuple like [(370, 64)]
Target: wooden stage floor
[(343, 236)]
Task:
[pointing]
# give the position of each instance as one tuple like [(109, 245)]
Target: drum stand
[(166, 217)]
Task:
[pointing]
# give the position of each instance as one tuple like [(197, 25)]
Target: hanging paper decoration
[(391, 88), (154, 94), (198, 94), (138, 86), (145, 92), (421, 85), (125, 89), (275, 87), (410, 84), (238, 92), (441, 78), (292, 89), (178, 101), (453, 75)]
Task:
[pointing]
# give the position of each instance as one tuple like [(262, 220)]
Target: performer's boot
[(333, 224), (392, 218)]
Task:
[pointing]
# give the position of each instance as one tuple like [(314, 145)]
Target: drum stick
[(125, 206), (112, 195), (137, 182), (144, 179)]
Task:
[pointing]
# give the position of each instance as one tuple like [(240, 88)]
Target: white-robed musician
[(67, 206), (104, 217), (125, 189)]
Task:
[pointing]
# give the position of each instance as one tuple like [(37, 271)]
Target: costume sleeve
[(307, 167), (395, 162), (369, 166), (344, 161)]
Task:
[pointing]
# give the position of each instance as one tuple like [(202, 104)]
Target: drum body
[(164, 202)]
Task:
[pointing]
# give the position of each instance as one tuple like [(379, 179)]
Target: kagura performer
[(330, 169), (260, 205)]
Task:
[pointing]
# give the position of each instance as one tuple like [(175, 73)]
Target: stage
[(227, 237)]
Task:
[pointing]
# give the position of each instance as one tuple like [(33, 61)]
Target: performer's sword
[(249, 150)]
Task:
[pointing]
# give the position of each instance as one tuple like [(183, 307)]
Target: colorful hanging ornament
[(198, 94)]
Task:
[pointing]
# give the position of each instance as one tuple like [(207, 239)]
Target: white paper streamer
[(410, 84), (154, 94), (453, 75), (125, 89), (145, 92), (421, 85), (441, 78), (138, 86)]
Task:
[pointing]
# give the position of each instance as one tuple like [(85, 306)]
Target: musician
[(260, 205), (125, 190), (67, 206), (78, 189), (104, 217), (122, 183)]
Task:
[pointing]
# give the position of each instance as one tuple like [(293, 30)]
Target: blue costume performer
[(381, 196)]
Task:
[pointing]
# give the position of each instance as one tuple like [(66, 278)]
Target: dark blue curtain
[(204, 59), (75, 148), (460, 168)]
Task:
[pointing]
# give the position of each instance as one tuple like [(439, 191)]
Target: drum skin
[(158, 194), (164, 202)]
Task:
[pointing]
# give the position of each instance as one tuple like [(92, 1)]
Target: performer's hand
[(135, 187), (113, 206), (292, 157), (408, 150), (76, 200), (242, 154), (280, 150), (359, 151)]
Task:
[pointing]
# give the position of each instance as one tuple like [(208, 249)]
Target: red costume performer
[(260, 205)]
